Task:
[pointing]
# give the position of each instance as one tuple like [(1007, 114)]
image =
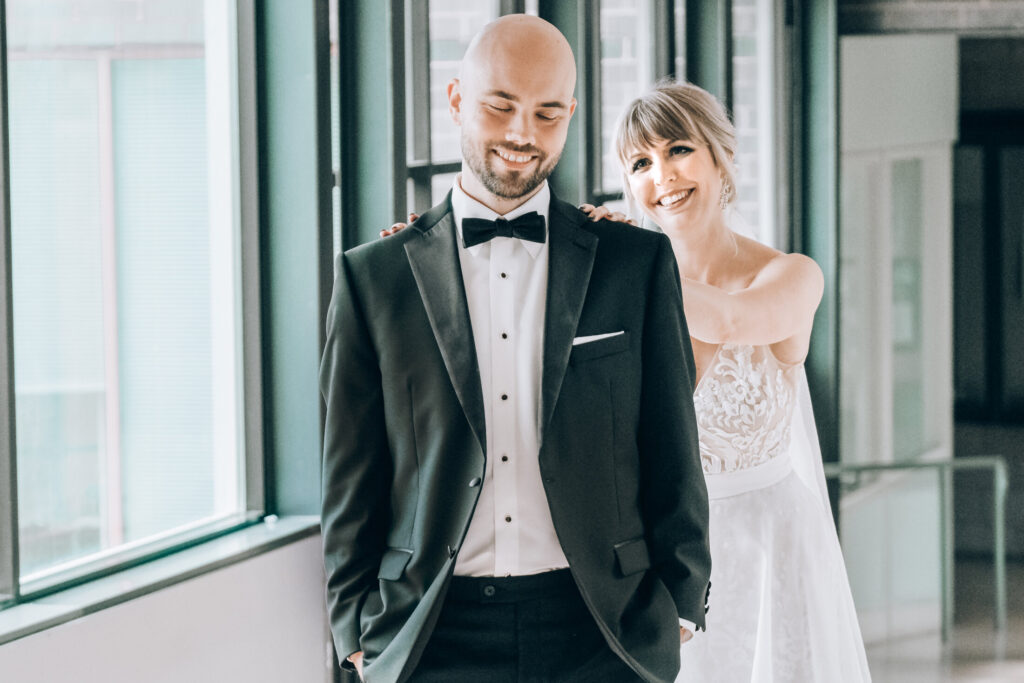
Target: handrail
[(944, 471)]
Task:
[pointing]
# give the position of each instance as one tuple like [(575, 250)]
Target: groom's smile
[(515, 161)]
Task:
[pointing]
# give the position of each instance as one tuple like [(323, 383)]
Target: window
[(433, 58), (754, 102), (626, 72), (126, 279)]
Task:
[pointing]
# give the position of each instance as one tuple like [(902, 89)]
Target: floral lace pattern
[(744, 404)]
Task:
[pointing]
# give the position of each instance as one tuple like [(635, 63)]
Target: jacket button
[(475, 481), (489, 591)]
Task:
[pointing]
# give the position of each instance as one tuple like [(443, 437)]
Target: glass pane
[(453, 23), (1011, 171), (439, 187), (626, 71), (969, 272), (124, 228), (680, 37), (753, 106), (858, 293), (907, 343)]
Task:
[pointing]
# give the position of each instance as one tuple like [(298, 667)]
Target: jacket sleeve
[(356, 462), (674, 496)]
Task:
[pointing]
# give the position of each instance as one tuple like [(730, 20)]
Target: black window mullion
[(663, 42), (574, 179), (709, 47), (8, 468), (399, 127), (512, 7), (591, 44)]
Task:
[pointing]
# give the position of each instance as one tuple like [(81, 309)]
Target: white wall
[(261, 620), (898, 104)]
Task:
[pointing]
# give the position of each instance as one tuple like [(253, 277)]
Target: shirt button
[(504, 458), (504, 275), (504, 335), (508, 518), (504, 397), (475, 481), (489, 591)]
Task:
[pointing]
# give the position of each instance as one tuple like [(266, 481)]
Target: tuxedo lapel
[(570, 261), (434, 259)]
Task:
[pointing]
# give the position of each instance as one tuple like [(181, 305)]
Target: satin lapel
[(570, 261), (434, 260)]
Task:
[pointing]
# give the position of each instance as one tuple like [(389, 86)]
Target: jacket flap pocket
[(632, 556), (599, 348), (393, 563)]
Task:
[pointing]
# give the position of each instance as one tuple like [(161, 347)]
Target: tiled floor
[(976, 653)]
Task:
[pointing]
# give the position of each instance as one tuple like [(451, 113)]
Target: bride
[(781, 608)]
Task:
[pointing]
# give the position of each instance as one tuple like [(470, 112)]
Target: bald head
[(513, 100), (524, 44)]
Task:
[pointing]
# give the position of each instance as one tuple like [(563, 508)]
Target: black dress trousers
[(519, 629)]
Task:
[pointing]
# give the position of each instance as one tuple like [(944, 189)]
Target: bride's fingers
[(395, 228), (412, 217), (587, 208)]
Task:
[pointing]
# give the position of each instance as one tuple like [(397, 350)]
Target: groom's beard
[(507, 184)]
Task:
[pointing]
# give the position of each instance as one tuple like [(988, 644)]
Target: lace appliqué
[(744, 406)]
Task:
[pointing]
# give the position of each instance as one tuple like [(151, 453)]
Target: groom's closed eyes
[(504, 102)]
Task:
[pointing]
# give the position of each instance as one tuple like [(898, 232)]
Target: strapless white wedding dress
[(780, 603)]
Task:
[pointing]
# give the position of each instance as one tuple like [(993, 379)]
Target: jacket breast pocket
[(600, 348)]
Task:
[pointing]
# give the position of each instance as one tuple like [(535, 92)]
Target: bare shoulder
[(794, 269)]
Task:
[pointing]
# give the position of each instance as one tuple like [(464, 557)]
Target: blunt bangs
[(654, 118), (678, 111)]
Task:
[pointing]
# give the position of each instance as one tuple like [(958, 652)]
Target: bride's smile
[(676, 183)]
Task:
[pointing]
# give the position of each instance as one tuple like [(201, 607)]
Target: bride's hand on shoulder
[(398, 227), (597, 213)]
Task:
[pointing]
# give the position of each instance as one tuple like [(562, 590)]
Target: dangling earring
[(723, 199)]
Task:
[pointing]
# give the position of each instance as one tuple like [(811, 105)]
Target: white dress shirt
[(506, 279), (511, 532)]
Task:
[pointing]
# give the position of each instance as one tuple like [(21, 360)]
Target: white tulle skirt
[(780, 603)]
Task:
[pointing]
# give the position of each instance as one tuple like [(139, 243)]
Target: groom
[(511, 481)]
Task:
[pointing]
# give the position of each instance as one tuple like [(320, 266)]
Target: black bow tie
[(529, 226)]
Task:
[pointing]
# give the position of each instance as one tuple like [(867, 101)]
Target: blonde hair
[(675, 110)]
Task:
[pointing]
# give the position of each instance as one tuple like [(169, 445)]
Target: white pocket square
[(595, 337)]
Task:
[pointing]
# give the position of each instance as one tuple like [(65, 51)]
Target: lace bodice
[(744, 404)]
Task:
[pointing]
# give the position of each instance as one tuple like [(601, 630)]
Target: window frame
[(9, 589), (420, 167), (13, 590)]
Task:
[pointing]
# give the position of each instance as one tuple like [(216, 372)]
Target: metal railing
[(853, 475)]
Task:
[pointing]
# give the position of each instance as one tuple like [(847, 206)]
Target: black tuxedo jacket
[(404, 446)]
